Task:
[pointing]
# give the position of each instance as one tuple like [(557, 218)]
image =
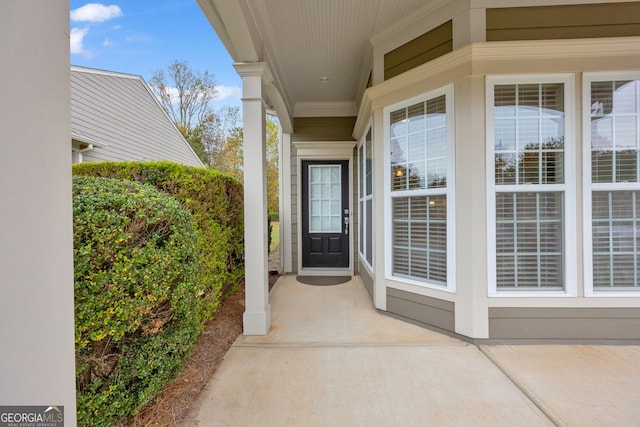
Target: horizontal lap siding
[(366, 278), (425, 310), (122, 115), (564, 323), (323, 129), (563, 22), (418, 51), (294, 210)]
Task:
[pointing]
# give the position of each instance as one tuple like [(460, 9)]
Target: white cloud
[(76, 38), (107, 43), (224, 92), (95, 12), (173, 93)]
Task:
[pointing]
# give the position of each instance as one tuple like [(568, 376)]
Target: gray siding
[(564, 22), (119, 112), (294, 210), (564, 323), (420, 50), (422, 309), (366, 278), (323, 128)]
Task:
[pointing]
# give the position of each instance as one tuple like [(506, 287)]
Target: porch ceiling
[(305, 40)]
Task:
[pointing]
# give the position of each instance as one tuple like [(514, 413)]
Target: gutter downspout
[(88, 148)]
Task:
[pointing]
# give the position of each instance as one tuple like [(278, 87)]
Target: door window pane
[(325, 199)]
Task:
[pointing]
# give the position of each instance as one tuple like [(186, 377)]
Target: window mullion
[(539, 118), (428, 254), (610, 243), (538, 256), (517, 131), (515, 240), (614, 148), (635, 239)]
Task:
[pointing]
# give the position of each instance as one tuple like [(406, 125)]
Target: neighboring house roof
[(119, 115)]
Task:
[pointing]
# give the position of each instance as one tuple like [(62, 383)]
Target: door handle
[(346, 225)]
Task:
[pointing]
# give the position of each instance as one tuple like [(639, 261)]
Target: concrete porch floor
[(330, 359)]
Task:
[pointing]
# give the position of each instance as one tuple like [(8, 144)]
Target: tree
[(194, 137), (273, 142), (223, 141), (216, 136), (185, 94)]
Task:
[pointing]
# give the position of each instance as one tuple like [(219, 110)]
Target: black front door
[(325, 214)]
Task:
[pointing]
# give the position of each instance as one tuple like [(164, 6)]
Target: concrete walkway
[(331, 359)]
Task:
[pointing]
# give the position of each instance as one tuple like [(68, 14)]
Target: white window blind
[(615, 197), (529, 240), (420, 238)]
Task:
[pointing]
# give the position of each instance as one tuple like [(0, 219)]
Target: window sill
[(532, 294), (397, 282), (612, 294)]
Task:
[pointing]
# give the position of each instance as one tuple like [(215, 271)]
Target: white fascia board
[(234, 25)]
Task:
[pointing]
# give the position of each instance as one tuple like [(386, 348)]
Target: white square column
[(37, 360), (257, 315)]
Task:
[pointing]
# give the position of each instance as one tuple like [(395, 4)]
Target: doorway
[(325, 214)]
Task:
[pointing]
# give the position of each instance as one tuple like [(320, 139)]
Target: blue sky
[(142, 36)]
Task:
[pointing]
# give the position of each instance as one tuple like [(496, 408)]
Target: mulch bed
[(175, 402)]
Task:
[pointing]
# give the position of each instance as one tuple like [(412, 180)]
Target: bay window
[(529, 155), (365, 199), (612, 187), (420, 189)]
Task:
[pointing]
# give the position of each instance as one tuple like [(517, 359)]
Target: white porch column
[(37, 361), (257, 315)]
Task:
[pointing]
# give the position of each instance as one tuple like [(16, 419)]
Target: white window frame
[(588, 186), (568, 187), (449, 192), (363, 198)]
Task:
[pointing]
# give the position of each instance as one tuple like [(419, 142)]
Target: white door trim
[(323, 150)]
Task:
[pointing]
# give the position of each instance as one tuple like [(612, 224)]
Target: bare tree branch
[(185, 94)]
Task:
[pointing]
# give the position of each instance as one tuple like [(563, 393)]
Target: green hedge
[(138, 301), (214, 199), (121, 368)]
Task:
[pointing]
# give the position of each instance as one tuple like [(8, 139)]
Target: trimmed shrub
[(215, 201), (138, 301)]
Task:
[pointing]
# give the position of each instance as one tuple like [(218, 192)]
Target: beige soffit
[(305, 40)]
